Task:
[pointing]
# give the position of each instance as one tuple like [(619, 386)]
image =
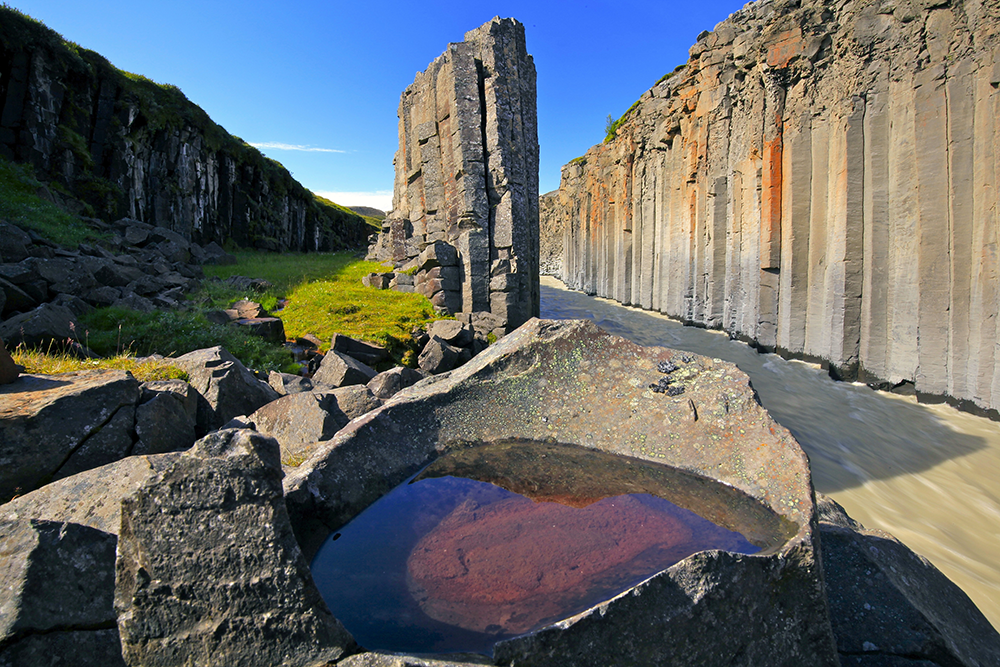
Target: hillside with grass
[(110, 144)]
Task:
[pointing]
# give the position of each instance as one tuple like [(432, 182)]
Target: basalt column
[(819, 179), (465, 203)]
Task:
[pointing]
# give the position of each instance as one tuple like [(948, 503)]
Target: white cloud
[(380, 199), (291, 147)]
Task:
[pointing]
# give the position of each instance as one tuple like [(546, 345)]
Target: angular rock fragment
[(340, 370), (227, 387), (365, 352), (438, 356), (208, 568), (300, 419), (166, 418), (58, 582), (388, 383)]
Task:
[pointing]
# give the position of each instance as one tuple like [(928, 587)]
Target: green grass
[(20, 205), (118, 331), (611, 126), (52, 363), (325, 296)]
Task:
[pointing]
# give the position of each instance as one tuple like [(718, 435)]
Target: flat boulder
[(92, 498), (58, 580), (49, 421), (208, 568), (340, 370), (227, 387)]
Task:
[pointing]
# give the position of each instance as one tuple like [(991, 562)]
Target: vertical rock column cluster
[(820, 179), (467, 178)]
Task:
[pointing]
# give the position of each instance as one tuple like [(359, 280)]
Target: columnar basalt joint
[(467, 177)]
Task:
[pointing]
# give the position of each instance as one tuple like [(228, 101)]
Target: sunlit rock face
[(819, 178), (467, 178)]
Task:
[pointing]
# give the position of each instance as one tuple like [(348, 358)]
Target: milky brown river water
[(928, 474)]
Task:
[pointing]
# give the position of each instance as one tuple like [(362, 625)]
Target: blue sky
[(316, 84)]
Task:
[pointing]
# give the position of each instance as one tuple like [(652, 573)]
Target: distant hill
[(368, 211), (115, 144)]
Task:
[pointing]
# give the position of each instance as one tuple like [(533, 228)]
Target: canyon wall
[(467, 177), (119, 145), (820, 179)]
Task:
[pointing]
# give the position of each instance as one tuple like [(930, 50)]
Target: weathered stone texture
[(820, 179), (208, 570), (466, 190)]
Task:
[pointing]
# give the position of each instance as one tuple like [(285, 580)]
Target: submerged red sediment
[(514, 565)]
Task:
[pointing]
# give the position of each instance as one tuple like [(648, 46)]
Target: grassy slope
[(161, 106)]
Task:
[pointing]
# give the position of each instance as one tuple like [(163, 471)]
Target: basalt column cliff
[(465, 204), (821, 179)]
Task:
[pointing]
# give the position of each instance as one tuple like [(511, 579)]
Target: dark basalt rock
[(227, 387), (208, 568), (58, 582), (77, 420), (340, 370)]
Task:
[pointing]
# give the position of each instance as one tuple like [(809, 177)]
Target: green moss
[(579, 160), (671, 73)]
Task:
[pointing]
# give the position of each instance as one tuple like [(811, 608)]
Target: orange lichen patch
[(789, 45), (770, 214)]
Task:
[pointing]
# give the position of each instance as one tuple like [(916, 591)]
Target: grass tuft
[(38, 362)]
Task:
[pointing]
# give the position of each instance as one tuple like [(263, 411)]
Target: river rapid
[(928, 474)]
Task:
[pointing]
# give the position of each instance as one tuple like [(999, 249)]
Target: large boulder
[(572, 383), (58, 589), (227, 387), (889, 605), (340, 370), (208, 568), (298, 420), (76, 420), (286, 383)]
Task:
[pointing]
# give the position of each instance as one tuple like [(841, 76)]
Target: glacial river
[(928, 474)]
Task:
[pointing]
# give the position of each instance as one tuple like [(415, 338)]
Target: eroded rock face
[(208, 568), (573, 383), (465, 203), (815, 180)]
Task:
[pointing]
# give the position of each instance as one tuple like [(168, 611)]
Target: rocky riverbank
[(149, 538)]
